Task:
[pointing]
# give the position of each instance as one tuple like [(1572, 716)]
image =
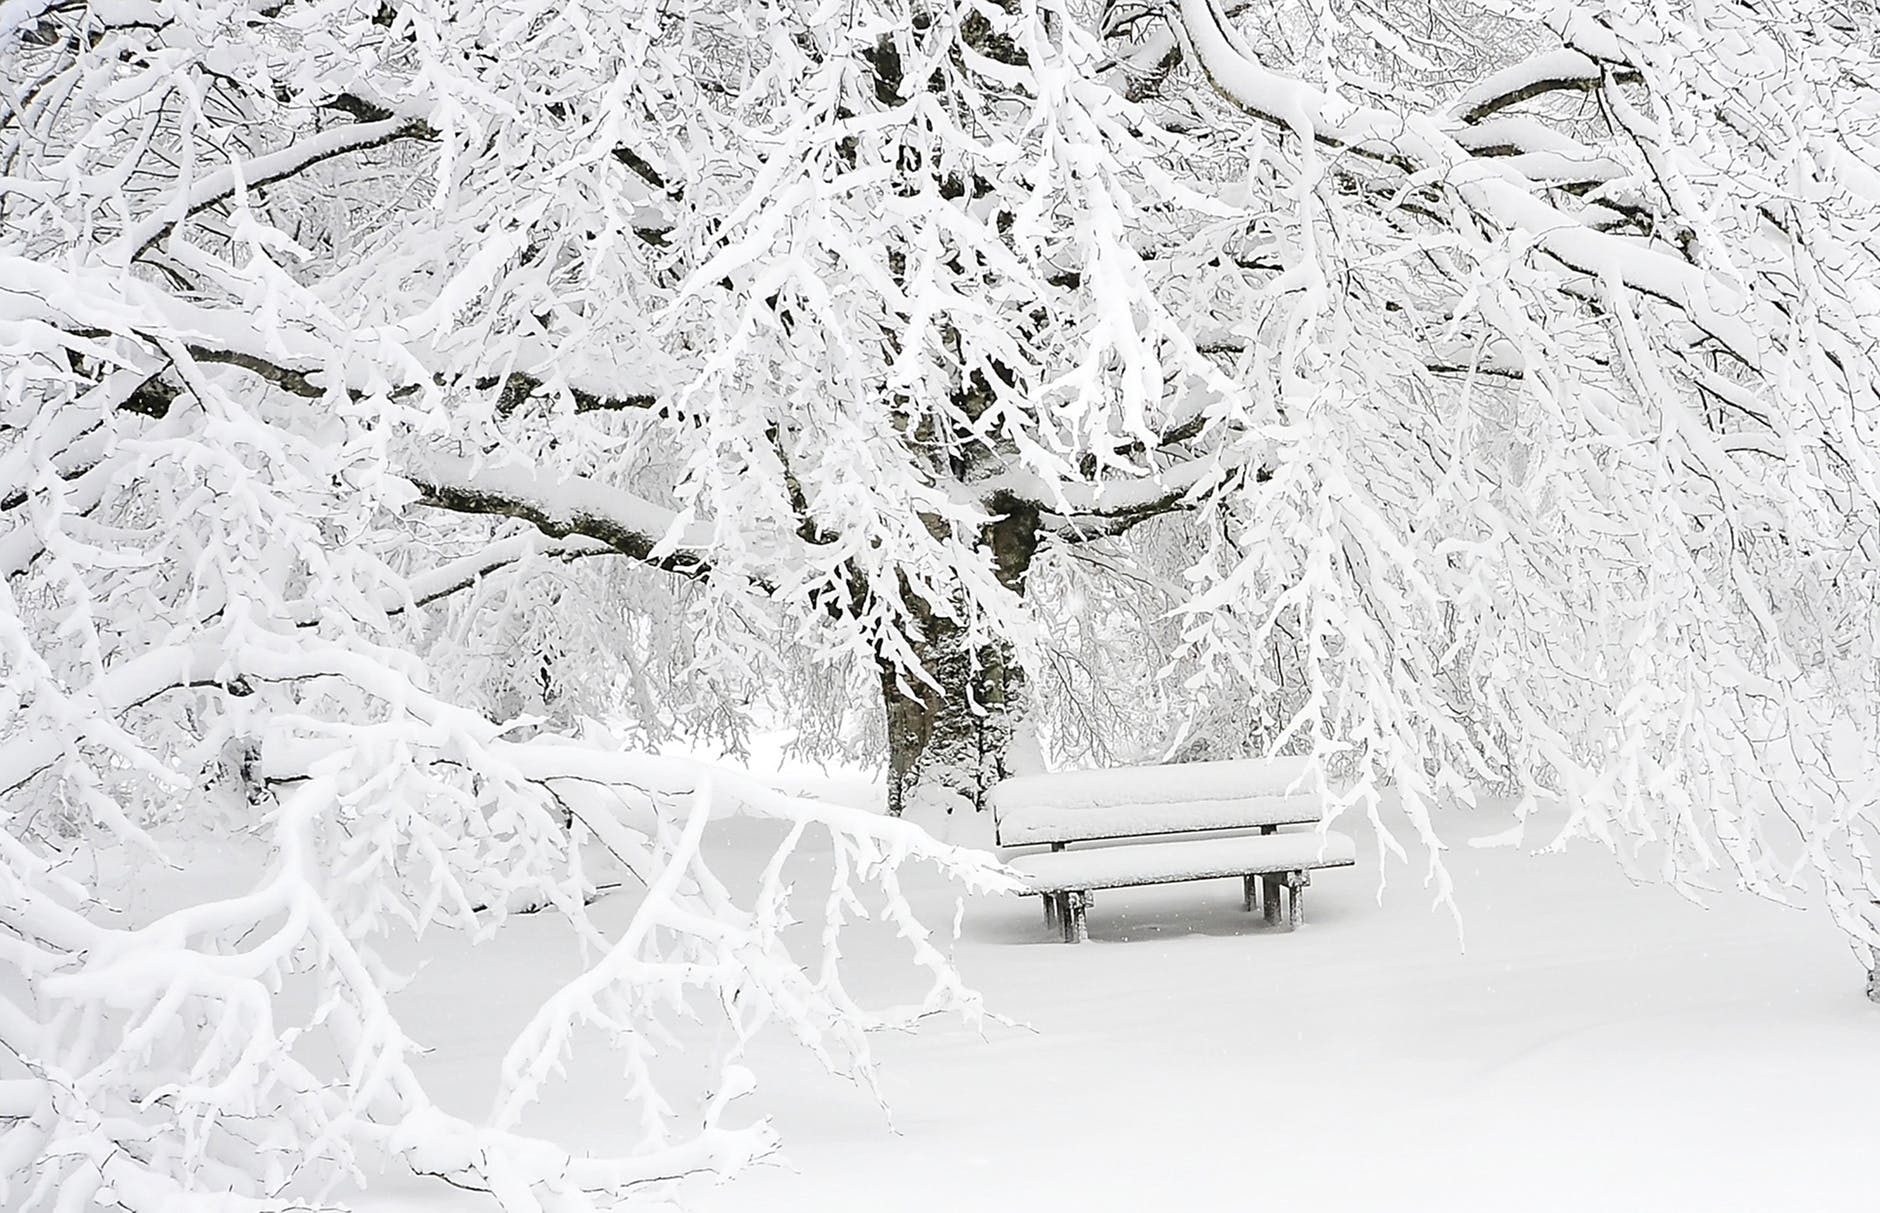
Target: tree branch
[(560, 508), (269, 168), (1496, 193), (564, 508), (520, 386), (465, 571), (1555, 71)]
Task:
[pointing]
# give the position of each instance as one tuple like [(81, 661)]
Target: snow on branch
[(261, 171), (1498, 193), (464, 572), (388, 812), (1560, 70), (563, 506), (1638, 351), (1489, 444), (1088, 509)]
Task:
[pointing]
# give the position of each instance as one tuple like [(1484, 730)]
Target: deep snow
[(1597, 1046)]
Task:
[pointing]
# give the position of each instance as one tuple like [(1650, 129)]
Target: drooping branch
[(1554, 71), (127, 684), (453, 576), (267, 169), (1489, 190), (564, 508)]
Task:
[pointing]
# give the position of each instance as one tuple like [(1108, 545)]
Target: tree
[(1470, 414)]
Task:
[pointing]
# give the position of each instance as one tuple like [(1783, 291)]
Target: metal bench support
[(1296, 883), (1071, 914), (1270, 886)]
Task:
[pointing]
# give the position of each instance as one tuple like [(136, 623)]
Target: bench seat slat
[(1031, 826), (1189, 859)]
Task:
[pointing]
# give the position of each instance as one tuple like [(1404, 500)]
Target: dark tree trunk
[(951, 737)]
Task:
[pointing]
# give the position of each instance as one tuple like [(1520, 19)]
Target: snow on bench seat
[(1126, 801), (1188, 859)]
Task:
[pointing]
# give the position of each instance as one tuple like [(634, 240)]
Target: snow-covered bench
[(1152, 803)]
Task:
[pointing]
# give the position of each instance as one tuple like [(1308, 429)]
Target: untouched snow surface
[(1599, 1046)]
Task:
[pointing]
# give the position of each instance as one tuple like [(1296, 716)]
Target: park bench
[(1149, 810)]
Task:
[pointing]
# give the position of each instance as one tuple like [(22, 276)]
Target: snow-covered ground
[(1597, 1046)]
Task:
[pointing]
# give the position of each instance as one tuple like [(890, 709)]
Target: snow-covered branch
[(265, 170), (1516, 431), (561, 507), (1552, 71)]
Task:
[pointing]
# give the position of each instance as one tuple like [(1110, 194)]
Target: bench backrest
[(1123, 802)]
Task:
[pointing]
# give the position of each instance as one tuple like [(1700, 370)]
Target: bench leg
[(1050, 910), (1270, 887), (1249, 892), (1296, 883), (1072, 915)]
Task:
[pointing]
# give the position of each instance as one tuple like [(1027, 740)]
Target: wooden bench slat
[(1032, 826), (1223, 780), (1189, 859), (1153, 803)]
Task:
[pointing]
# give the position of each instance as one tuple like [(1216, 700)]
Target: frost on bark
[(949, 732), (1870, 952)]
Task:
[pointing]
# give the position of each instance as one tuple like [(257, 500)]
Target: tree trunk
[(948, 739)]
